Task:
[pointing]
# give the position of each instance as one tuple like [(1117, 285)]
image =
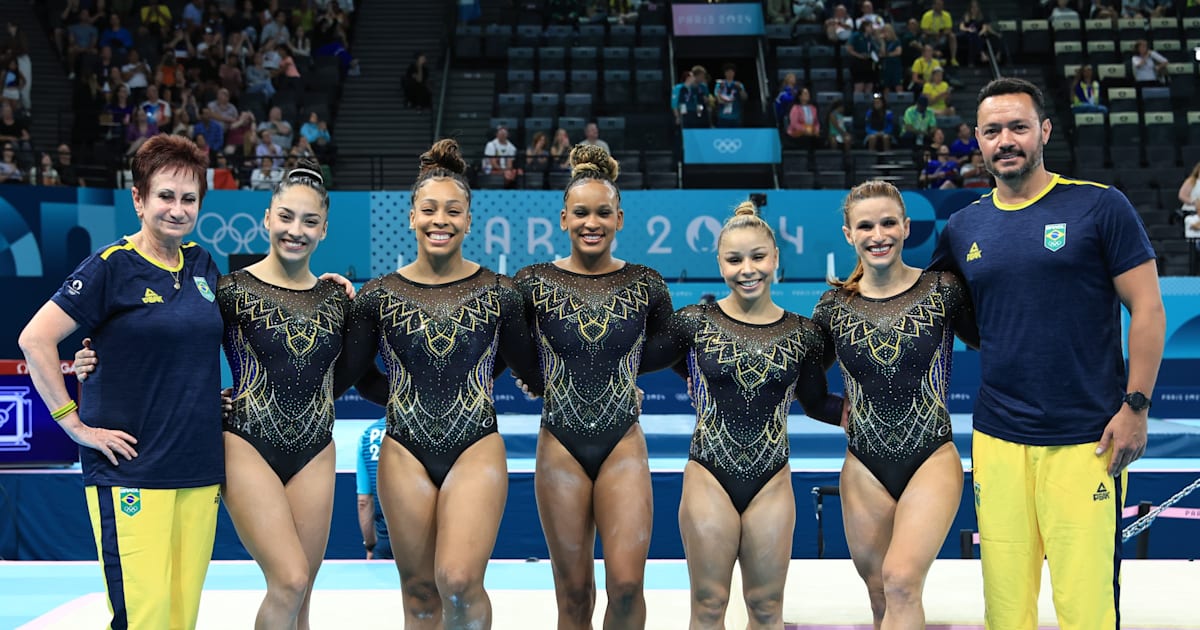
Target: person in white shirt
[(1148, 65), (500, 153), (869, 15), (591, 136)]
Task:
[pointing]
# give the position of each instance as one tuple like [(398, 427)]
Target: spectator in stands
[(1064, 10), (231, 77), (82, 38), (1189, 191), (863, 53), (935, 141), (212, 131), (258, 78), (44, 174), (700, 73), (61, 21), (141, 130), (66, 170), (974, 30), (120, 107), (301, 47), (867, 15), (169, 73), (266, 144), (14, 130), (591, 136), (804, 122), (784, 99), (223, 175), (1149, 67), (687, 102), (974, 174), (839, 26), (223, 111), (376, 542), (241, 134), (276, 30), (240, 46), (136, 74), (416, 84), (1104, 10), (87, 104), (288, 79), (964, 143), (938, 91), (941, 172), (12, 82), (10, 171), (156, 108), (537, 156), (155, 15), (184, 125), (1085, 92), (910, 42), (500, 157), (560, 150), (780, 12), (302, 149), (937, 29), (187, 102), (266, 175), (891, 61), (281, 130), (917, 123), (730, 94), (922, 69), (880, 125), (116, 35), (839, 136), (193, 14)]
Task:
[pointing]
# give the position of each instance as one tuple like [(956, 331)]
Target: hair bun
[(307, 168), (444, 154), (746, 209), (591, 158)]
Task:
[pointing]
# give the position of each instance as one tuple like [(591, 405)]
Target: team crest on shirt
[(202, 284), (1056, 236), (131, 501)]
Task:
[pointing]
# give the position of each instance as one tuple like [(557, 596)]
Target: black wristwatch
[(368, 547), (1137, 401)]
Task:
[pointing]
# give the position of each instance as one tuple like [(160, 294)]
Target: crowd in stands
[(251, 82)]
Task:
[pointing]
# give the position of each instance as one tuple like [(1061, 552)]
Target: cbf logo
[(131, 501), (1056, 236)]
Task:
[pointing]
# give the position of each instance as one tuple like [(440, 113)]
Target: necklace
[(175, 276)]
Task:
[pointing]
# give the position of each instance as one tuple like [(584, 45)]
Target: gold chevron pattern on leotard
[(593, 318)]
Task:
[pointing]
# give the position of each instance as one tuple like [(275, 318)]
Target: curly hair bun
[(745, 209), (444, 154), (587, 157)]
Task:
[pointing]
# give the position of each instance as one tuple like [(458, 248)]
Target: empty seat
[(496, 40), (1131, 28), (528, 35), (552, 58), (468, 41), (653, 35), (647, 58), (1103, 51), (790, 56), (543, 104), (584, 58), (534, 124), (578, 105), (584, 82), (1161, 138), (1090, 141), (560, 35), (612, 130), (622, 35), (592, 35), (1035, 37), (1125, 131), (573, 125), (520, 81), (552, 81), (649, 88), (520, 58), (616, 58), (616, 88), (510, 105), (1163, 28), (1100, 30), (1122, 100)]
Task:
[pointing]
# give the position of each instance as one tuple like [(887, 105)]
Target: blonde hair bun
[(590, 158), (745, 209)]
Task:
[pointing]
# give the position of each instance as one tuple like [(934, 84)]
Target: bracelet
[(63, 411)]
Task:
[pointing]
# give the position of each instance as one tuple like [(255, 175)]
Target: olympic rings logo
[(232, 236), (727, 145)]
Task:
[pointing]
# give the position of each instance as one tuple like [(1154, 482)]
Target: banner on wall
[(731, 146), (717, 19)]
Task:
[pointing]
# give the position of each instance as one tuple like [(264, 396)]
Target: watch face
[(1137, 401)]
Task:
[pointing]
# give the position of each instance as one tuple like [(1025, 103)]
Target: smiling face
[(748, 258), (1010, 136), (169, 206), (592, 216), (440, 217), (296, 222), (876, 227)]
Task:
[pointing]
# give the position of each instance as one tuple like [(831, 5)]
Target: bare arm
[(39, 342), (1139, 291), (1185, 191), (366, 522)]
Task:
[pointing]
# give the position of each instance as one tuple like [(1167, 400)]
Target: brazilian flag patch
[(131, 501)]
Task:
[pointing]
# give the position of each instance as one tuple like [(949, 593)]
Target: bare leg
[(624, 510), (260, 511), (711, 529), (468, 515), (766, 551), (310, 493), (564, 500), (923, 517), (409, 501), (867, 513)]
